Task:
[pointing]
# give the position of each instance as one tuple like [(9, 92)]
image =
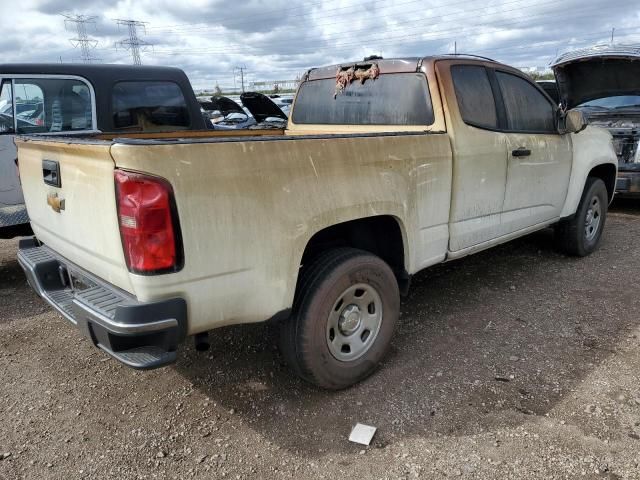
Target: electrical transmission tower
[(82, 41), (134, 44)]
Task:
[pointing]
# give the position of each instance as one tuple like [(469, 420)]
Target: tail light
[(148, 223)]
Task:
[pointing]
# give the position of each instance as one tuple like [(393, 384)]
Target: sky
[(280, 39)]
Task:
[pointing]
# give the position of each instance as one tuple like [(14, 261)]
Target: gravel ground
[(514, 363)]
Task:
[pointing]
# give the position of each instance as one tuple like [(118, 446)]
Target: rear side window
[(475, 98), (391, 99), (527, 109), (52, 105), (149, 107)]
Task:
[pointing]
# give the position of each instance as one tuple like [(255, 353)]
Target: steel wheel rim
[(354, 322), (593, 219)]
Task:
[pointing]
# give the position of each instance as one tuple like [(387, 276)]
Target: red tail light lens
[(148, 223)]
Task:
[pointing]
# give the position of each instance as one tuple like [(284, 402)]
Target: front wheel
[(582, 234), (344, 316)]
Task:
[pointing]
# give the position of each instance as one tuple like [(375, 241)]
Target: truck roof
[(392, 65), (93, 72)]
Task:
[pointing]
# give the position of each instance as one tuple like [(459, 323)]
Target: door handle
[(521, 152), (51, 173)]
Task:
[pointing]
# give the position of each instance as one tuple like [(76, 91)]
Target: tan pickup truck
[(386, 168)]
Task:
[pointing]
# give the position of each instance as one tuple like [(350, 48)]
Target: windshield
[(614, 103)]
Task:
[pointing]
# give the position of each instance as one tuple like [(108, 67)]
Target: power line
[(82, 41), (573, 42), (280, 14), (380, 38), (348, 17), (134, 44), (423, 33)]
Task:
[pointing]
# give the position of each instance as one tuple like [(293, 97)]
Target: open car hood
[(261, 106), (598, 72), (226, 106)]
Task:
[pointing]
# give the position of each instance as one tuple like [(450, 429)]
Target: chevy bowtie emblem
[(55, 202)]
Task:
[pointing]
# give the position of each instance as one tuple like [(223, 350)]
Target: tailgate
[(78, 218)]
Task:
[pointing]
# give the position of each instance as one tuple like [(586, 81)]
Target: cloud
[(279, 39)]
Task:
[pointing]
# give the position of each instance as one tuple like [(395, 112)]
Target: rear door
[(538, 157)]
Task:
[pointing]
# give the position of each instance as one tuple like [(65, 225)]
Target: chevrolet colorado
[(386, 167)]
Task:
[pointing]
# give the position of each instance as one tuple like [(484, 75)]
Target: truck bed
[(254, 195)]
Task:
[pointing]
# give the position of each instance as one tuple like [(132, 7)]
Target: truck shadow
[(485, 342)]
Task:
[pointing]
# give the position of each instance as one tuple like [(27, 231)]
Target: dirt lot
[(515, 363)]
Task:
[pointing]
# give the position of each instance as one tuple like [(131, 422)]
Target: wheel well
[(379, 235), (607, 173)]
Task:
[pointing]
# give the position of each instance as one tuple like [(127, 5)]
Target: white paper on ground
[(362, 434)]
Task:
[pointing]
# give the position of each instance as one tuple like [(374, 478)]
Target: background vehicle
[(602, 81), (232, 115), (257, 111), (80, 99), (266, 112), (283, 102), (550, 88), (151, 238)]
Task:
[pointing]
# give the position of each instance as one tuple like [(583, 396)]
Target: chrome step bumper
[(140, 335)]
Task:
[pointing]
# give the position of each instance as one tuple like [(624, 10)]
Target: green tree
[(541, 76)]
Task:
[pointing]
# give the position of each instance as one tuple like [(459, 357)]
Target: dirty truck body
[(319, 226)]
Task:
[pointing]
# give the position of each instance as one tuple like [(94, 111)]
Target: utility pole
[(82, 41), (613, 30), (241, 70), (134, 44)]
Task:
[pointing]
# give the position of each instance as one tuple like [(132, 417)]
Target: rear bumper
[(140, 335), (628, 183)]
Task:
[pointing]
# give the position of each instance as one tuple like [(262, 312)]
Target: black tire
[(305, 336), (572, 236)]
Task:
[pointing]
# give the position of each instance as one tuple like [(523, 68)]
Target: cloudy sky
[(279, 39)]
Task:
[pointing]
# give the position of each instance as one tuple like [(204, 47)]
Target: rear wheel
[(582, 234), (344, 316)]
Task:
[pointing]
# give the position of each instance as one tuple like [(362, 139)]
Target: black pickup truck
[(71, 99)]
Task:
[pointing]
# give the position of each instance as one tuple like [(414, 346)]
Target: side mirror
[(575, 121)]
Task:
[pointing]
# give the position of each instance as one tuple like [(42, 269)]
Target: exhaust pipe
[(201, 341)]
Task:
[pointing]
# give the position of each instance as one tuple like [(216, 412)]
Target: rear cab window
[(149, 106), (46, 105), (393, 99)]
